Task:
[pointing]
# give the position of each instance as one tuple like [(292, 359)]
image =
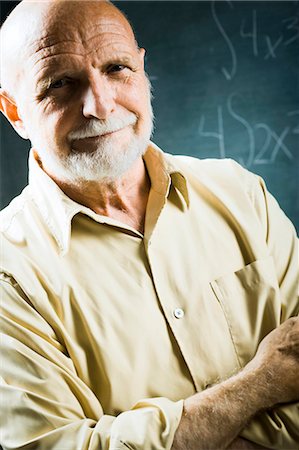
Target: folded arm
[(46, 405), (214, 418)]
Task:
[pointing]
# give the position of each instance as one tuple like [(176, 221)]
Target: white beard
[(109, 162)]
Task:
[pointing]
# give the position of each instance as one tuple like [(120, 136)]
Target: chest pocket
[(250, 301)]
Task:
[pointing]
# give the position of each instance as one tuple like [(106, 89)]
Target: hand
[(277, 359)]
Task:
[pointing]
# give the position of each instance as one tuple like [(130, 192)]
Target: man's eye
[(117, 68), (58, 83)]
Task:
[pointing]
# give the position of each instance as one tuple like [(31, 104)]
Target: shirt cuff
[(149, 424)]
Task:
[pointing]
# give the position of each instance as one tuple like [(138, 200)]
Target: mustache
[(99, 127)]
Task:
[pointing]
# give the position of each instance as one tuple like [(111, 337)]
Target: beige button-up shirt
[(106, 330)]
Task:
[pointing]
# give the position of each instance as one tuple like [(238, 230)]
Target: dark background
[(226, 84)]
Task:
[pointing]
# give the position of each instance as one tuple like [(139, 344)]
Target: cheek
[(61, 125), (134, 96), (55, 125), (50, 130)]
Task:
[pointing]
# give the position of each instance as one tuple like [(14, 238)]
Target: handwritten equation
[(249, 73), (261, 142), (262, 45)]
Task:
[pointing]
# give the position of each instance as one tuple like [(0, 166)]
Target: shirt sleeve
[(277, 428), (45, 404)]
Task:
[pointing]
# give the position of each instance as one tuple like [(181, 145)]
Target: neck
[(124, 200)]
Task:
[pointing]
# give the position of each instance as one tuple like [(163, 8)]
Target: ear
[(142, 55), (9, 108)]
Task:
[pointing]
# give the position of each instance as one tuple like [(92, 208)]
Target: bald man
[(137, 288)]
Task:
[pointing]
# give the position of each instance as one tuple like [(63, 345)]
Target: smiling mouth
[(91, 143), (99, 136)]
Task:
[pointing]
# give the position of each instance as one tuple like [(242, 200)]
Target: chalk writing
[(291, 114), (229, 74), (246, 125), (272, 45), (253, 34), (293, 24), (261, 142), (279, 144), (260, 157), (218, 135)]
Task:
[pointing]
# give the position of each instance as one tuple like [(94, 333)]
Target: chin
[(107, 163)]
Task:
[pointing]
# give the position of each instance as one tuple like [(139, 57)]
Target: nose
[(98, 97)]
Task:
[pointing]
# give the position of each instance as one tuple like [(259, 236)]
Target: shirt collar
[(58, 210), (162, 169)]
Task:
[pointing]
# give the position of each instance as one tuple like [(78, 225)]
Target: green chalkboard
[(225, 77)]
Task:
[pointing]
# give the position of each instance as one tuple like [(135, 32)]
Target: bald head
[(34, 24)]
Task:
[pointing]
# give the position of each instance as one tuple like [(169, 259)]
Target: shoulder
[(15, 221), (223, 172), (209, 164), (14, 212), (231, 184)]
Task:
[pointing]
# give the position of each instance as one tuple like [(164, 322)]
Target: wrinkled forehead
[(36, 26)]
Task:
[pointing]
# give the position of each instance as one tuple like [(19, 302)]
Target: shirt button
[(178, 313)]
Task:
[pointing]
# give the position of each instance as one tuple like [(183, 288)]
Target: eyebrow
[(45, 81), (121, 58)]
